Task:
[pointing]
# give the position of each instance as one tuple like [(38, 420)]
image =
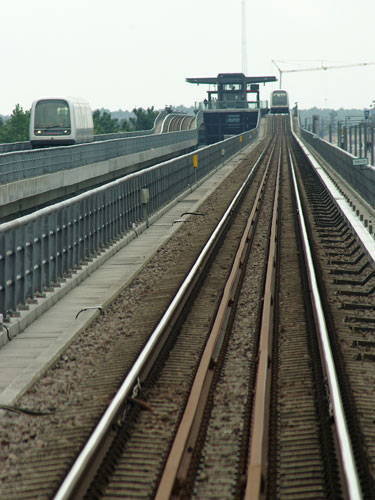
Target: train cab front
[(51, 124)]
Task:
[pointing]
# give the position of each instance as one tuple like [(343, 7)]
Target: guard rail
[(361, 178), (39, 250), (21, 165)]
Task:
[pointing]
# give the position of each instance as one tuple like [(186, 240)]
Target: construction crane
[(322, 67)]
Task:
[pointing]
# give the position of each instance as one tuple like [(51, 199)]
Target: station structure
[(227, 110)]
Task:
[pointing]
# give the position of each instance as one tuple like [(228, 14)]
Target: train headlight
[(38, 132)]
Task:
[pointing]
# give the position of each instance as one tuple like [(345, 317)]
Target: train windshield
[(279, 98), (52, 113)]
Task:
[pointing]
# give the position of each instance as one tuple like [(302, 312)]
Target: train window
[(279, 98), (52, 113)]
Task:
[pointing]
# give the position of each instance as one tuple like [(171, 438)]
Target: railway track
[(73, 393), (240, 399), (245, 404)]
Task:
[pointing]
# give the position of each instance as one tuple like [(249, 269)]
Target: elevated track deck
[(270, 321)]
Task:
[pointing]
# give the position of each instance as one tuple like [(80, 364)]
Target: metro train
[(60, 121), (279, 102)]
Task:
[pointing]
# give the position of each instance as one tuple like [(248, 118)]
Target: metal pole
[(355, 140)]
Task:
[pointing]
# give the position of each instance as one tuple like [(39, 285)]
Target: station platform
[(42, 333)]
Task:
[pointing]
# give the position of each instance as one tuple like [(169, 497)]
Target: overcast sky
[(121, 54)]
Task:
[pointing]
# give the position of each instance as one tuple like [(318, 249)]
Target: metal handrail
[(20, 165), (38, 250)]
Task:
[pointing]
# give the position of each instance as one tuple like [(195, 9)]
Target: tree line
[(105, 124), (16, 128)]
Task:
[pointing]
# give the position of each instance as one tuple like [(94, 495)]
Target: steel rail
[(345, 448), (76, 482), (179, 458), (258, 446)]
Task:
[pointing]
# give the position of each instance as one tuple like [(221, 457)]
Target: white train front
[(60, 121), (279, 102)]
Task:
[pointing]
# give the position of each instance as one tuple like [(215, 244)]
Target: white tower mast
[(244, 48)]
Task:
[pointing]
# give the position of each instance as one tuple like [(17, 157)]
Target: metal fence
[(11, 147), (22, 165), (15, 146), (26, 145), (361, 178), (38, 250)]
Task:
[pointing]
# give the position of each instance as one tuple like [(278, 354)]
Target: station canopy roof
[(232, 78)]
